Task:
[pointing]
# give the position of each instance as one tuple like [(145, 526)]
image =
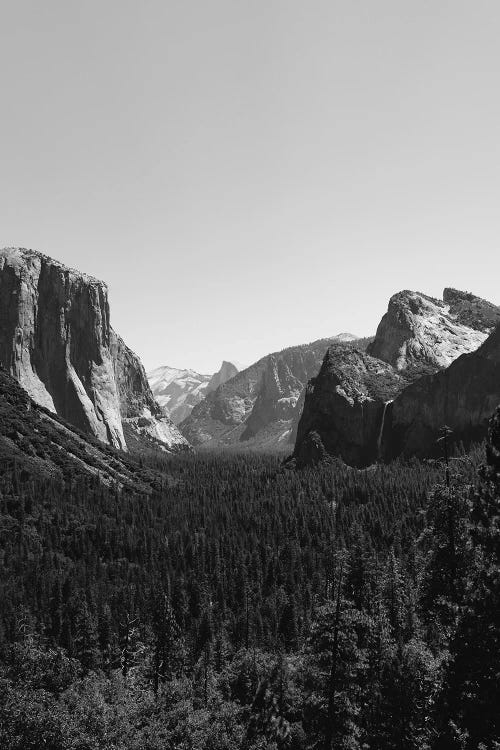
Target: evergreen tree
[(288, 628), (470, 704), (86, 639), (445, 542), (334, 669), (166, 634)]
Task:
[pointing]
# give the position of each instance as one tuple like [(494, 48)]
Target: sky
[(251, 174)]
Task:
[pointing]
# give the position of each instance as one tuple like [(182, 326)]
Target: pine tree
[(334, 669), (86, 639), (445, 542), (129, 643), (268, 710), (287, 628), (470, 704), (166, 634)]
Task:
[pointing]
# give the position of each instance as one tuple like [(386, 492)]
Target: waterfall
[(381, 431)]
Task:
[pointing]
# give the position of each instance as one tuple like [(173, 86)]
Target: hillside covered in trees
[(246, 605)]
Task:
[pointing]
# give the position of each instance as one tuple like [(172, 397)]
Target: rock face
[(443, 369), (57, 342), (178, 391), (259, 408), (420, 334), (41, 444), (227, 371), (145, 424), (463, 397), (345, 407), (279, 391)]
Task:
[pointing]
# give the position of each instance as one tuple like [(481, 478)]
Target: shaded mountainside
[(56, 340), (420, 334), (39, 443), (348, 410), (178, 391), (463, 397), (357, 411), (259, 407), (345, 406)]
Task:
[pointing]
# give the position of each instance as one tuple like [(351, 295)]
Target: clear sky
[(251, 174)]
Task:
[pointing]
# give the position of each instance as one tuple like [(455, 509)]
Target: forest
[(245, 604)]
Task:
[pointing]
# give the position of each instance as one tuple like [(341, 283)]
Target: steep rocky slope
[(145, 424), (345, 407), (422, 334), (56, 340), (259, 408), (178, 391), (463, 397), (360, 410), (38, 442)]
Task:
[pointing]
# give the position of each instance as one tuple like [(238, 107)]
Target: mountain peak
[(470, 310), (227, 371), (179, 390), (23, 257), (422, 333), (345, 336)]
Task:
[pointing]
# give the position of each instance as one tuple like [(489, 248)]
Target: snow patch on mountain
[(179, 390)]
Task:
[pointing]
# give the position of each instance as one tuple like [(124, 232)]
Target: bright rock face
[(57, 342), (178, 391), (38, 440), (463, 397), (422, 334)]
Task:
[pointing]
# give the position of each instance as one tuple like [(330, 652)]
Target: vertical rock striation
[(144, 422), (56, 340)]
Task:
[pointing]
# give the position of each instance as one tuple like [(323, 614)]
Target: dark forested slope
[(243, 605), (40, 445)]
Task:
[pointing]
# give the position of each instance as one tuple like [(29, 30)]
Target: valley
[(187, 559)]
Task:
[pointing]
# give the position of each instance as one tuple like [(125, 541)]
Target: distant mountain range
[(178, 391), (432, 362), (259, 408)]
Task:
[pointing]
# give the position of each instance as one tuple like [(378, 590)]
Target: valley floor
[(241, 604)]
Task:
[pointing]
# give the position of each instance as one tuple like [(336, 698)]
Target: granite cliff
[(40, 443), (57, 342), (420, 334), (462, 397), (345, 407), (259, 408), (432, 362)]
